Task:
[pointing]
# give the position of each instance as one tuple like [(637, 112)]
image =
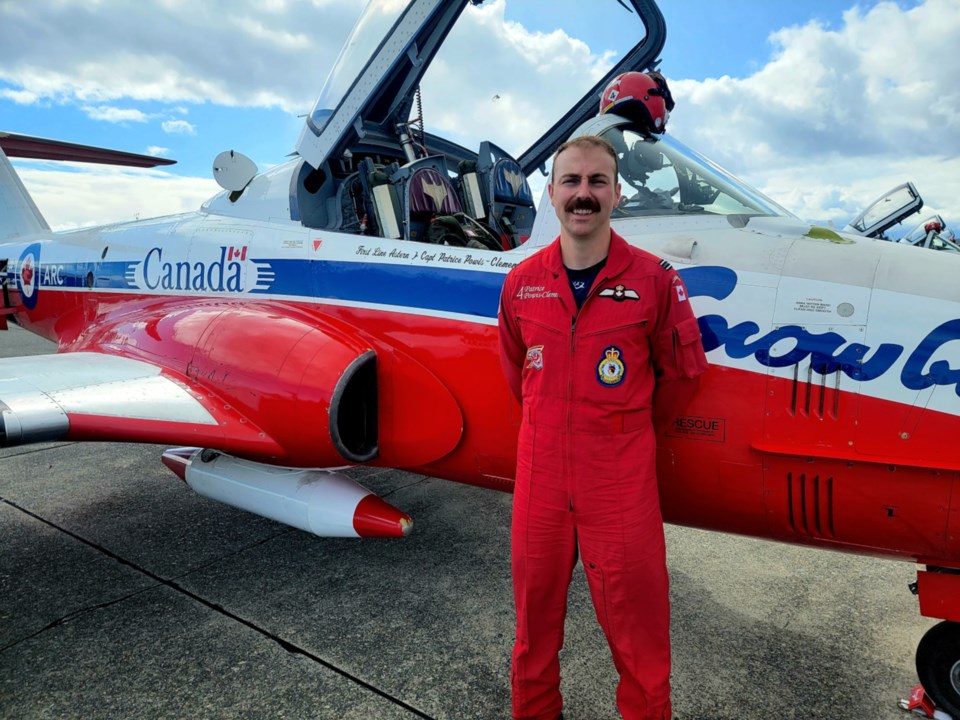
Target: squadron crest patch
[(619, 293), (535, 357), (611, 370)]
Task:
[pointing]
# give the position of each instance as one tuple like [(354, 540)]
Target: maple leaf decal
[(26, 274)]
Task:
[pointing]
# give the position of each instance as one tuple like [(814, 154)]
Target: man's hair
[(585, 142)]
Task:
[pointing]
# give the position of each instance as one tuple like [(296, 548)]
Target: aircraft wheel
[(938, 665)]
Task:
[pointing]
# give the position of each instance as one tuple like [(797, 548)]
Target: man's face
[(584, 191)]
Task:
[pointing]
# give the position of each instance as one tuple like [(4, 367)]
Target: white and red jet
[(340, 309)]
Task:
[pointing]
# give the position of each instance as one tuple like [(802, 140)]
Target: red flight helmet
[(641, 97)]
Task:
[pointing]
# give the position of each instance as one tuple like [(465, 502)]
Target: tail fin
[(19, 215)]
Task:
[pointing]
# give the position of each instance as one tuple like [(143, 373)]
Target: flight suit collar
[(618, 258)]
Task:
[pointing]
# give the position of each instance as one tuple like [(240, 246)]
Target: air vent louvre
[(816, 397), (810, 505)]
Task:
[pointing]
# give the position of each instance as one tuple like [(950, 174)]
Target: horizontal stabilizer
[(38, 148)]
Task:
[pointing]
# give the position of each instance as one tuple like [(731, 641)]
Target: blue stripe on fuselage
[(428, 287), (467, 292)]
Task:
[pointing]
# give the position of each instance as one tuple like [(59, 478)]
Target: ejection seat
[(509, 201), (429, 194)]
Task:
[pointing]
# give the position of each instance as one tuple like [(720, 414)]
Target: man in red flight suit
[(597, 339)]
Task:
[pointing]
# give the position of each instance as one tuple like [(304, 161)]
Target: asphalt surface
[(125, 595)]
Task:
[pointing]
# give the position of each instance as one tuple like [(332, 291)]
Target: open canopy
[(370, 96)]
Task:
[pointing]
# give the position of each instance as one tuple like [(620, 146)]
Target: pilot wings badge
[(619, 293)]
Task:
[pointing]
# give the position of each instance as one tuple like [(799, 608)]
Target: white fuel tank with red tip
[(322, 502)]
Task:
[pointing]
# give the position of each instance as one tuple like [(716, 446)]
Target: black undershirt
[(582, 280)]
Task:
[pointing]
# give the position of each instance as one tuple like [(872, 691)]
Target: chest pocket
[(626, 343), (613, 360), (546, 366)]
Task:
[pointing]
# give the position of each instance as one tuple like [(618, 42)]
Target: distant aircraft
[(340, 309)]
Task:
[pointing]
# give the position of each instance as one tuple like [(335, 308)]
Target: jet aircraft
[(340, 309)]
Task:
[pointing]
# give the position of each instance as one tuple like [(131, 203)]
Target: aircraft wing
[(94, 396)]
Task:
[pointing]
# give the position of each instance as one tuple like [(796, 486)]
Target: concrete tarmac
[(125, 595)]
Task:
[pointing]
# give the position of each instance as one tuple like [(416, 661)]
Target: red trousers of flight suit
[(614, 519), (586, 465)]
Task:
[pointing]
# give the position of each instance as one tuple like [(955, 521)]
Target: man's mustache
[(583, 204)]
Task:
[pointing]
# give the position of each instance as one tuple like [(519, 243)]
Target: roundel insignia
[(611, 370), (28, 276)]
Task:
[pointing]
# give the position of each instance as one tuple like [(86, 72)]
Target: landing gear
[(938, 665)]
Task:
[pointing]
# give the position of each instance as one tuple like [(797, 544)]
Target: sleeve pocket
[(687, 349)]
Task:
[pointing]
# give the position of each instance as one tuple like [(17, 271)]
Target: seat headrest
[(430, 192), (509, 183)]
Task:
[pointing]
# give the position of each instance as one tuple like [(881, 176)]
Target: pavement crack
[(172, 584), (422, 480), (33, 449), (75, 614), (245, 548)]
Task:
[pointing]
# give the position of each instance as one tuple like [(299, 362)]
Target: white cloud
[(508, 95), (73, 195), (181, 127), (157, 151), (243, 52), (838, 117), (115, 114), (21, 97)]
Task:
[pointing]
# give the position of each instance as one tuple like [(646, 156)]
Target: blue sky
[(822, 104)]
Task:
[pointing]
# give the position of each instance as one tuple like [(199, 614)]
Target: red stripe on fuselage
[(860, 475)]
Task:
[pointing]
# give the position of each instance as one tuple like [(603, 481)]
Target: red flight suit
[(586, 468)]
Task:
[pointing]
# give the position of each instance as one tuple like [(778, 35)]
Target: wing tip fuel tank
[(321, 502), (31, 419)]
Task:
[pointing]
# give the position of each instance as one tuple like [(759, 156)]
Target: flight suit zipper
[(568, 440), (573, 364)]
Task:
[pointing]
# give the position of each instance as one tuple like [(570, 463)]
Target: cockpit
[(437, 116), (480, 200), (661, 176), (418, 133)]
